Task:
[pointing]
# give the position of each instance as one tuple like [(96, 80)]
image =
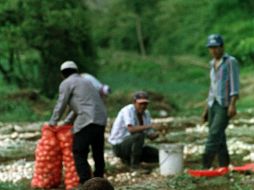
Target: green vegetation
[(175, 26), (178, 81), (158, 46), (18, 186), (36, 36), (177, 85)]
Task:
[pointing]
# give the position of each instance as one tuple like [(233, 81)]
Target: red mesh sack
[(48, 160), (65, 138)]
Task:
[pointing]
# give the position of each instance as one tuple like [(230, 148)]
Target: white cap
[(68, 65)]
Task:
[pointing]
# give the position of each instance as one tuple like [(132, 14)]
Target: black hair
[(97, 183), (67, 72)]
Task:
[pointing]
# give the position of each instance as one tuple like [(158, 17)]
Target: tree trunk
[(140, 36), (5, 73), (8, 73)]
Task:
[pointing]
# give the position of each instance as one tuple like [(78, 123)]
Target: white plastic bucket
[(171, 159)]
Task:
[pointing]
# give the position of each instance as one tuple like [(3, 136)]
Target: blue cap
[(214, 40)]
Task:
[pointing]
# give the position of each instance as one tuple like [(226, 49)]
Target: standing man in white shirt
[(131, 126)]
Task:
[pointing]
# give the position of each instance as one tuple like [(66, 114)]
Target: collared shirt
[(84, 101), (127, 116), (224, 81)]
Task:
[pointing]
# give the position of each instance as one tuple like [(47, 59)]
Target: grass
[(182, 84), (183, 80), (178, 85), (246, 100), (22, 104), (18, 186)]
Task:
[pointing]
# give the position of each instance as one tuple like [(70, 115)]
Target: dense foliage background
[(129, 44), (175, 26), (154, 45)]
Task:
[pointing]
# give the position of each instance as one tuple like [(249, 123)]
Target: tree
[(39, 36), (126, 25), (12, 42), (59, 31)]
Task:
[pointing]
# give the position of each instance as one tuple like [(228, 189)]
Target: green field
[(177, 85)]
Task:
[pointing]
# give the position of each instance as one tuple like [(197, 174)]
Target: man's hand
[(204, 117), (231, 110), (48, 124), (232, 106)]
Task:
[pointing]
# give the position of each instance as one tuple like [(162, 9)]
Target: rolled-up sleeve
[(64, 95)]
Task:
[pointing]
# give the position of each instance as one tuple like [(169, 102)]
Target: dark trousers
[(132, 151), (90, 135), (216, 144)]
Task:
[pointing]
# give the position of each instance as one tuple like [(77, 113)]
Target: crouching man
[(131, 126)]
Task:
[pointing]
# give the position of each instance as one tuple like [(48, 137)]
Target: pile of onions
[(54, 153), (48, 160), (65, 139)]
